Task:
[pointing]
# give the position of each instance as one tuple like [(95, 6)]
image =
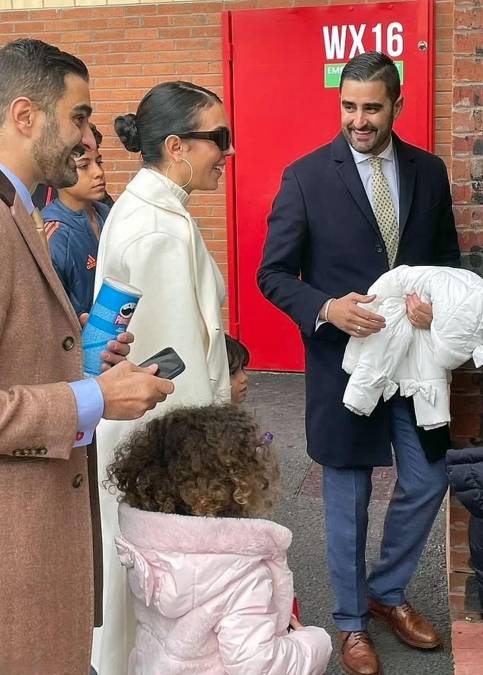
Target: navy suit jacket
[(323, 242)]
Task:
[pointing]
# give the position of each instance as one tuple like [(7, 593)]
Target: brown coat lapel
[(27, 228)]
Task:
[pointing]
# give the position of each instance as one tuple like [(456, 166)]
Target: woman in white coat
[(151, 241)]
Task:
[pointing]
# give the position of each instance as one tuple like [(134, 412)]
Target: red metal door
[(282, 69)]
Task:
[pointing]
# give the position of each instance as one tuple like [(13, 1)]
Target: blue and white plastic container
[(110, 315)]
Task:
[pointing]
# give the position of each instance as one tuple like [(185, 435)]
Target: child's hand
[(295, 623)]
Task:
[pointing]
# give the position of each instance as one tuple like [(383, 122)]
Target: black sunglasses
[(221, 136)]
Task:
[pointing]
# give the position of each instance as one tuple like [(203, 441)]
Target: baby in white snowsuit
[(417, 361)]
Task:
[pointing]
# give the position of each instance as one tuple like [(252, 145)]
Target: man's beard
[(54, 159)]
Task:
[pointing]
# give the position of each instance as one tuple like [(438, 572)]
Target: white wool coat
[(419, 362), (150, 241), (213, 596)]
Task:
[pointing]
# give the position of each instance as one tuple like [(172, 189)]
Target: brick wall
[(467, 188)]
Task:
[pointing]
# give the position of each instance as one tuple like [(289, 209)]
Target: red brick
[(140, 9), (467, 17), (156, 21), (191, 68), (443, 83), (443, 19), (458, 537), (198, 43), (461, 169), (98, 11), (444, 45), (470, 238), (475, 215), (467, 43), (13, 16), (443, 98), (469, 425), (157, 70), (252, 4), (195, 19), (467, 405), (101, 82), (110, 59), (463, 145), (466, 120), (45, 14), (468, 95), (30, 26), (205, 31), (467, 69), (459, 560), (142, 33)]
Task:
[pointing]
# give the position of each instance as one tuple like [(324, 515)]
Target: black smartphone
[(169, 363)]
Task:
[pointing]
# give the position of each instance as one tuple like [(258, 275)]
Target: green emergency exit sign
[(332, 73)]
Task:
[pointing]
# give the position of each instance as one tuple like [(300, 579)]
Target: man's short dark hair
[(34, 69), (373, 66)]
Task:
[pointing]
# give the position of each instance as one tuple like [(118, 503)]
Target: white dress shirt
[(388, 168)]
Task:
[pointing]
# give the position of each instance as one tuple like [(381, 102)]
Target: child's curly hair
[(208, 461)]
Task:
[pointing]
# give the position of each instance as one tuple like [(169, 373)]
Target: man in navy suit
[(344, 215)]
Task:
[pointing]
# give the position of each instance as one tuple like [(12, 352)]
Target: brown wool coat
[(46, 530)]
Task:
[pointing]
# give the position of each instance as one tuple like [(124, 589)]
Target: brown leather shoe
[(409, 626), (358, 656)]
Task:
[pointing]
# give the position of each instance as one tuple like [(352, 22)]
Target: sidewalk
[(279, 402)]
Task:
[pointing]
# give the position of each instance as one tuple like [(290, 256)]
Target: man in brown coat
[(47, 411)]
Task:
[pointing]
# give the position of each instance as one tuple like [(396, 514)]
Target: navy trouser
[(417, 497)]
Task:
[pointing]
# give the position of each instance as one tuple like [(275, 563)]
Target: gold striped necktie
[(384, 212)]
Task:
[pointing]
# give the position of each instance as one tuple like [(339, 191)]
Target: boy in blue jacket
[(73, 224)]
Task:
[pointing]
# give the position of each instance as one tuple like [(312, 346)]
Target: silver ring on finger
[(358, 329)]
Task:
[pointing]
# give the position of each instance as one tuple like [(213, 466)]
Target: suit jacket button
[(379, 248), (77, 480), (68, 343)]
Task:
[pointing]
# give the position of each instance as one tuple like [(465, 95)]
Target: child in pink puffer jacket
[(212, 590)]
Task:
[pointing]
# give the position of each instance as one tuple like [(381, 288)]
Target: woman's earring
[(191, 172)]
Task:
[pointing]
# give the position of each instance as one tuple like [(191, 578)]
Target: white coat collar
[(152, 187)]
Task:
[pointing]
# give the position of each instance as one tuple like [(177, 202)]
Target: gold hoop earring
[(191, 172)]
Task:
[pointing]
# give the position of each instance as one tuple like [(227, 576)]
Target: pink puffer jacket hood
[(211, 594)]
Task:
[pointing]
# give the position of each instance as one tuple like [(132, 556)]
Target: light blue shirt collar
[(21, 189)]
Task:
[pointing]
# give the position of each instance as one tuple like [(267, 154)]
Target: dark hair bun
[(126, 128)]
